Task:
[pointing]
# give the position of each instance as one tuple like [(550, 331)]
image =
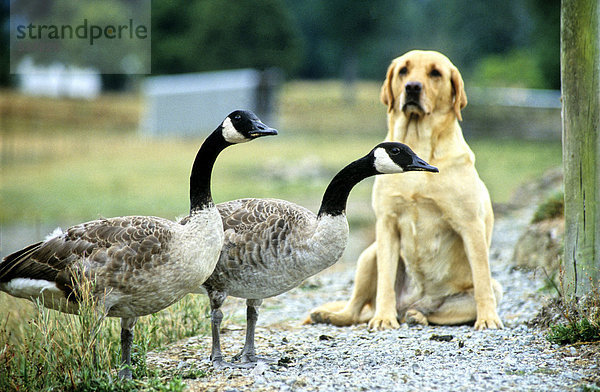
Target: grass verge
[(57, 351), (579, 321), (569, 321)]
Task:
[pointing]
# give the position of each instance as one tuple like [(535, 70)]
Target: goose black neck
[(200, 196), (336, 194)]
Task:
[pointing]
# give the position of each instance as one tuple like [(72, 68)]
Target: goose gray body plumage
[(136, 265), (123, 257), (281, 239), (272, 245)]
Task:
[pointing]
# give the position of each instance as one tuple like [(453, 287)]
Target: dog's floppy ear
[(460, 96), (387, 94)]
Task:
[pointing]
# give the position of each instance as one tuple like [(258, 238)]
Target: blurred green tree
[(532, 59), (345, 38), (374, 32), (545, 39), (517, 68), (207, 35), (74, 49), (4, 44), (317, 39), (351, 26)]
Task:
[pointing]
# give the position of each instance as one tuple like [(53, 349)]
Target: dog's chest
[(392, 193), (408, 201), (426, 240), (420, 221)]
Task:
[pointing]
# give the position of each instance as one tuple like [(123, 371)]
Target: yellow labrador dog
[(429, 263)]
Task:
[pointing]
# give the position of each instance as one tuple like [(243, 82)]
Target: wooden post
[(580, 81)]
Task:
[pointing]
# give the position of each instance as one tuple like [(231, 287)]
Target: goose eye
[(237, 117), (395, 151), (403, 71), (435, 73)]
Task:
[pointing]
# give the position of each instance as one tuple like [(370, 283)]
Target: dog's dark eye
[(395, 151), (403, 71), (435, 73)]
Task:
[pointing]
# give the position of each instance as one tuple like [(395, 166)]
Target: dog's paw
[(380, 323), (319, 317), (413, 317), (491, 321)]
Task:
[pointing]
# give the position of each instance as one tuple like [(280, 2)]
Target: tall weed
[(580, 318), (58, 351)]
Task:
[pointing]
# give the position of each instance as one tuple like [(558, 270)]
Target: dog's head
[(420, 83)]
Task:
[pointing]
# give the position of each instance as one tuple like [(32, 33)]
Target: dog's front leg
[(485, 300), (388, 254), (365, 282)]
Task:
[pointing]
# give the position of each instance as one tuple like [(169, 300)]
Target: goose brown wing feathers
[(116, 244), (262, 229), (9, 266)]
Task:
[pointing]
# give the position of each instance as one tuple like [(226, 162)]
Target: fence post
[(580, 84)]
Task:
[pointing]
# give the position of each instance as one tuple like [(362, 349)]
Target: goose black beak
[(261, 129), (420, 165)]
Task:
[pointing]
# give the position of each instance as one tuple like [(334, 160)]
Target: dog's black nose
[(413, 87)]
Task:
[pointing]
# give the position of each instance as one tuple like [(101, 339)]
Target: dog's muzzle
[(412, 94)]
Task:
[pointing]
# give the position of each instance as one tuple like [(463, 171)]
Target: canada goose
[(272, 245), (138, 264)]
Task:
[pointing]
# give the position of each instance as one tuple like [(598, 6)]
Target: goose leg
[(127, 325), (248, 354), (216, 316)]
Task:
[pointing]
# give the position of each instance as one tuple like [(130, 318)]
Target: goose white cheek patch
[(384, 164), (231, 134)]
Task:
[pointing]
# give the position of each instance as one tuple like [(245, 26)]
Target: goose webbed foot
[(220, 363), (125, 373), (248, 353), (252, 359), (241, 361)]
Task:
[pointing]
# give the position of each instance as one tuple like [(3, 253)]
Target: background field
[(69, 161)]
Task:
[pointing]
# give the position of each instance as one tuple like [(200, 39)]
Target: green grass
[(552, 207), (504, 165), (125, 176), (579, 330), (42, 349), (56, 351), (320, 107), (580, 318)]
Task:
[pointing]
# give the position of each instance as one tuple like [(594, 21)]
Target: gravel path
[(326, 358)]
